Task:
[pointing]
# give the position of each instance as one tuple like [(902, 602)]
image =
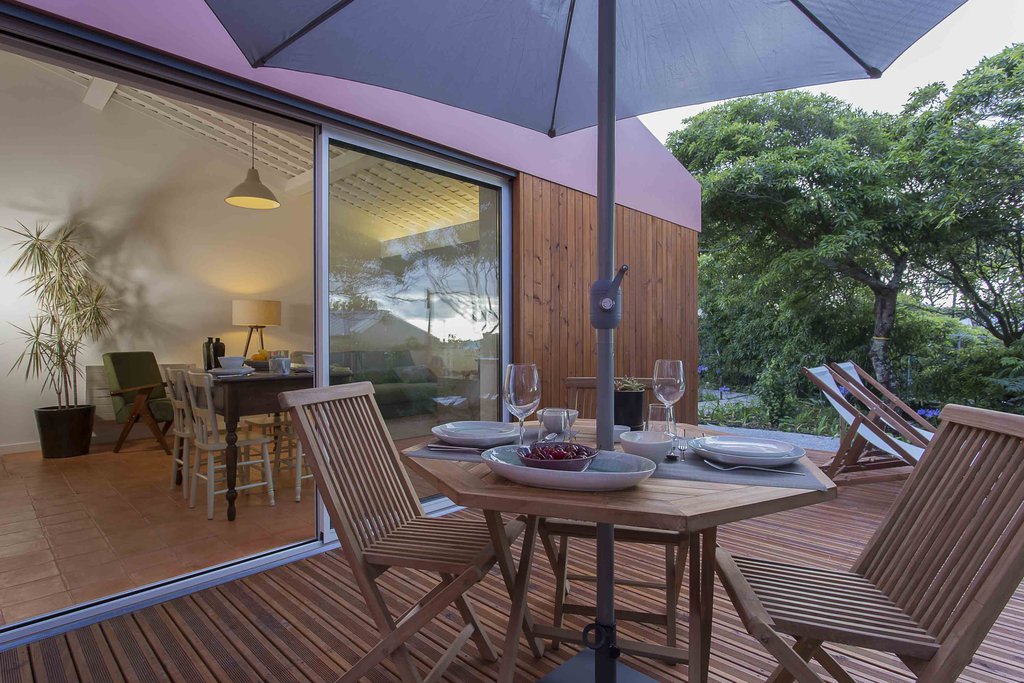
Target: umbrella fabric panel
[(503, 58)]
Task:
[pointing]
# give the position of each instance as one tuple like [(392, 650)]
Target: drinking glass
[(554, 421), (669, 382), (660, 418), (521, 392)]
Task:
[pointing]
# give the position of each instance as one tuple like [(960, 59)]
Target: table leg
[(230, 462), (702, 595), (524, 624)]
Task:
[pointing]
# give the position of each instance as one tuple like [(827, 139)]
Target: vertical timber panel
[(553, 263)]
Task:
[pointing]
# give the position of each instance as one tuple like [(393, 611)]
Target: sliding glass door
[(412, 284)]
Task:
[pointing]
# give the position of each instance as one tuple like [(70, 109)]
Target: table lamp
[(255, 314)]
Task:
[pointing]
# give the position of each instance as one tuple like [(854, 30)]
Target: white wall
[(150, 198)]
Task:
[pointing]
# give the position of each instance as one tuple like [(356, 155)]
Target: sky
[(978, 29)]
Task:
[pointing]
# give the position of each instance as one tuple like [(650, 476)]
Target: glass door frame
[(324, 136)]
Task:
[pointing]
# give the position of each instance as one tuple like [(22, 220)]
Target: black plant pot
[(629, 409), (65, 432)]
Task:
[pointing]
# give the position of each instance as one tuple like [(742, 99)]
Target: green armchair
[(137, 392)]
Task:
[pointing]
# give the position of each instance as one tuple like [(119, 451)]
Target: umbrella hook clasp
[(606, 301)]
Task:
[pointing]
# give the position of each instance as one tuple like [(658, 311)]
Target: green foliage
[(807, 417), (73, 307), (629, 384)]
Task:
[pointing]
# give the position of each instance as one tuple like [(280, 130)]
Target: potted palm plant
[(72, 309), (629, 402)]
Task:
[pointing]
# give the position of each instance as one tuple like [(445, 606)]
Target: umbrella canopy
[(534, 62), (556, 66)]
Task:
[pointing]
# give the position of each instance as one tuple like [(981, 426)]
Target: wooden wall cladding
[(554, 253)]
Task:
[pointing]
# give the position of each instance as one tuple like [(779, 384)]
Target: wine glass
[(669, 381), (521, 392)]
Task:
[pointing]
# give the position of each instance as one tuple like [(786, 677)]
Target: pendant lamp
[(251, 193)]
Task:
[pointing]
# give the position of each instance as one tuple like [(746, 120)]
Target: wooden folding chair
[(931, 581), (381, 524), (556, 534), (866, 446), (581, 393), (899, 417)]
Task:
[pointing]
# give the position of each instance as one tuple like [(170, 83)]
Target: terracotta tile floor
[(78, 529)]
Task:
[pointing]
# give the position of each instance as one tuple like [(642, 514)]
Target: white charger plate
[(746, 451), (477, 433), (610, 471), (231, 372)]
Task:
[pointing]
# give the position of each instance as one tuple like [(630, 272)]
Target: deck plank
[(305, 621)]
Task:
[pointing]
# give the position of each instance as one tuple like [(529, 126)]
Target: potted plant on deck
[(72, 308), (629, 402)]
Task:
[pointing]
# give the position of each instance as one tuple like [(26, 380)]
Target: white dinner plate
[(231, 372), (769, 456), (477, 433), (745, 445), (610, 471)]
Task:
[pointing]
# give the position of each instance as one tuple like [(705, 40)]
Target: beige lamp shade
[(255, 312)]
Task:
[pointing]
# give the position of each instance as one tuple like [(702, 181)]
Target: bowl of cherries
[(557, 455)]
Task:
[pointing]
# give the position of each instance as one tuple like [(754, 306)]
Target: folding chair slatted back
[(951, 550), (355, 463)]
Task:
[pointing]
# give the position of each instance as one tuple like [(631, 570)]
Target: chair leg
[(269, 473), (195, 479), (176, 474), (298, 472), (792, 660), (128, 424), (154, 427), (209, 484), (480, 638), (401, 657), (675, 568), (186, 468), (561, 585)]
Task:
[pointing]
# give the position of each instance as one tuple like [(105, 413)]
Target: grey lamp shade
[(255, 312), (251, 193)]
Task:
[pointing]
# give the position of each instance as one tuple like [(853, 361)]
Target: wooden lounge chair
[(931, 581), (896, 414), (381, 524), (137, 393), (867, 445)]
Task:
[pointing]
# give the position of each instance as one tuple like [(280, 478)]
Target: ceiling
[(399, 200)]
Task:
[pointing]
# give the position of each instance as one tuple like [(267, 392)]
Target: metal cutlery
[(448, 447), (729, 468)]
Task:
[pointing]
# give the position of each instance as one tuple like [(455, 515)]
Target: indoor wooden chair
[(931, 581), (581, 394), (556, 534), (382, 527), (288, 454), (137, 394), (867, 447), (211, 443), (181, 429), (899, 417)]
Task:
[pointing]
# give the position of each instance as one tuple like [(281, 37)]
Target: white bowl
[(550, 422), (653, 445), (618, 431), (231, 362)]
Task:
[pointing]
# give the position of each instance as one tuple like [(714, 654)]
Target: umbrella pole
[(606, 653)]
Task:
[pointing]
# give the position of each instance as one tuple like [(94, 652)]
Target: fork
[(729, 468)]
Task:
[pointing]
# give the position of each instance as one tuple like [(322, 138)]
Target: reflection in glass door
[(413, 289)]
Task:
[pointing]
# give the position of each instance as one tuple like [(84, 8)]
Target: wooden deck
[(304, 621)]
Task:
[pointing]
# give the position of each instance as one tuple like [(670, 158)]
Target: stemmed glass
[(521, 392), (669, 381)]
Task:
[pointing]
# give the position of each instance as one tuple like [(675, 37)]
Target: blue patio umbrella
[(560, 65)]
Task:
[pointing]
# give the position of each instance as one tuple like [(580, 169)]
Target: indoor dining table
[(235, 397), (697, 507)]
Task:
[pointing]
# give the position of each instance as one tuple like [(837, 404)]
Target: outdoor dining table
[(697, 507), (240, 396)]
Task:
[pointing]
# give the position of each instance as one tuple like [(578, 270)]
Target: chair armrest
[(148, 388)]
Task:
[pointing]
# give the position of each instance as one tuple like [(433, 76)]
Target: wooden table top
[(671, 504)]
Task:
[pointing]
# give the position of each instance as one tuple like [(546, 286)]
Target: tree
[(808, 188), (967, 144)]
